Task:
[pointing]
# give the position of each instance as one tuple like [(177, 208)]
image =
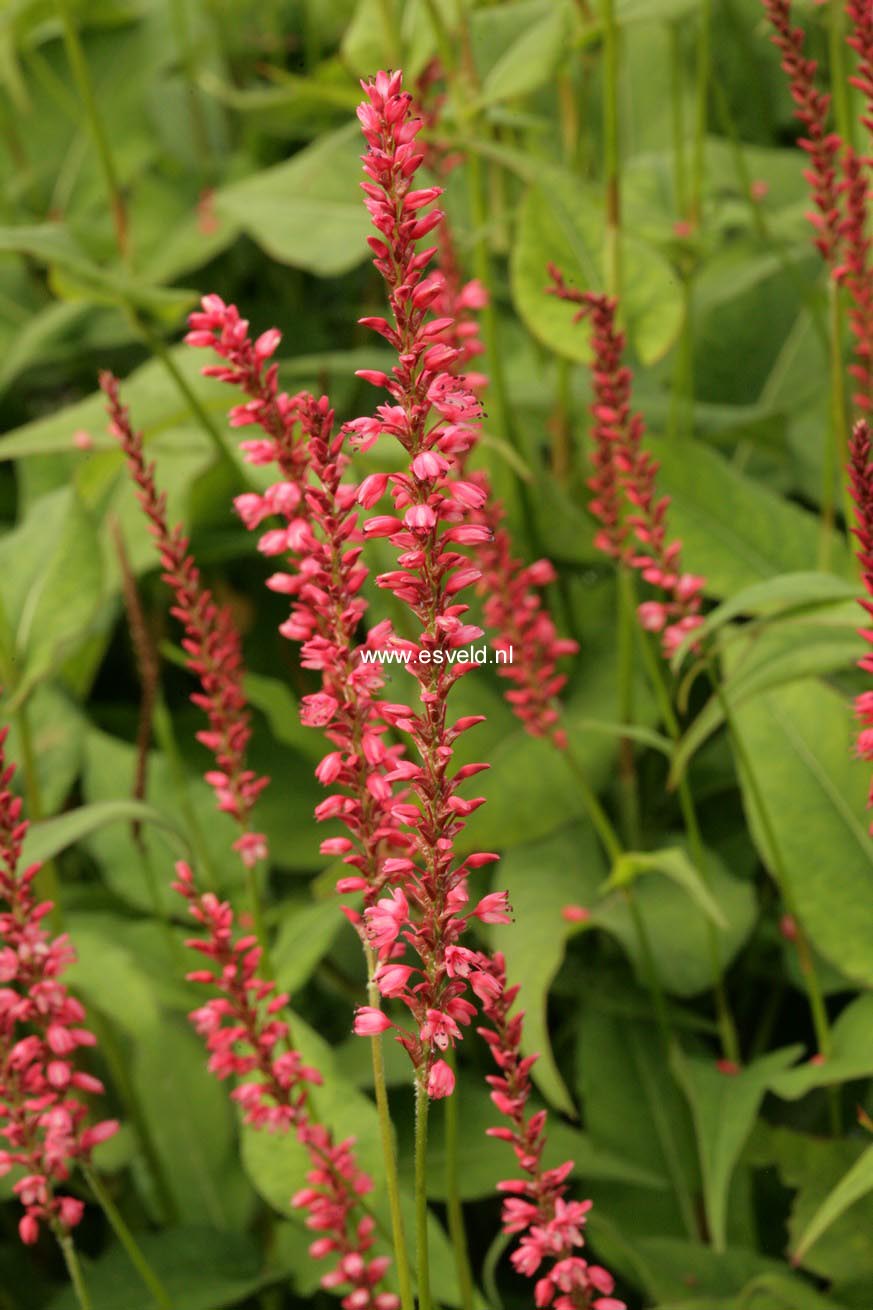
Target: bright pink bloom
[(550, 1227), (575, 914), (211, 643), (42, 1115), (441, 1080), (369, 1022), (624, 484)]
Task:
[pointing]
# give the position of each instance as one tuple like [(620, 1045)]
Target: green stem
[(726, 1026), (454, 1207), (839, 78), (127, 1239), (650, 972), (680, 174), (600, 820), (700, 111), (627, 776), (611, 150), (47, 878), (389, 1154), (74, 1268), (421, 1214), (82, 77), (838, 427)]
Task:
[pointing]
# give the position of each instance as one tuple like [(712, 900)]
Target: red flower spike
[(42, 1114), (549, 1227), (861, 487), (211, 641), (624, 484)]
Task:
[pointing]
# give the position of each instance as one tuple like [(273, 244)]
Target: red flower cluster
[(861, 486), (42, 1117), (812, 106), (624, 484), (248, 1040), (535, 1206), (211, 642)]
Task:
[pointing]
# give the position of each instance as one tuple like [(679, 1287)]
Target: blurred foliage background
[(155, 150)]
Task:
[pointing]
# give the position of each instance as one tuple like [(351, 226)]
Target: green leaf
[(800, 739), (191, 1123), (201, 1269), (850, 1058), (542, 877), (854, 1185), (735, 530), (108, 976), (561, 222), (724, 1108), (676, 926), (674, 864), (787, 594), (306, 212), (51, 836), (531, 59), (306, 933)]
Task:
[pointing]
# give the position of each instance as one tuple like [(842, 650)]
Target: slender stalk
[(454, 1207), (82, 76), (611, 150), (600, 820), (726, 1026), (389, 1154), (627, 775), (680, 170), (48, 881), (838, 429), (561, 428), (839, 78), (659, 1004), (700, 111), (421, 1234), (74, 1268), (126, 1238)]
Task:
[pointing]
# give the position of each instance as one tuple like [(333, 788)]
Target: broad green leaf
[(561, 222), (791, 592), (202, 1269), (734, 530), (306, 933), (674, 1266), (677, 928), (108, 976), (674, 864), (851, 1055), (654, 11), (857, 1183), (800, 741), (51, 836), (281, 709), (191, 1123), (542, 877), (531, 59), (724, 1108), (306, 212)]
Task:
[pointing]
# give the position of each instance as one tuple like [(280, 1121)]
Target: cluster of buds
[(42, 1116), (211, 643), (248, 1040), (549, 1227), (625, 498)]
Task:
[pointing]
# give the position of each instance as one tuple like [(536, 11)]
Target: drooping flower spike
[(43, 1118), (625, 498), (549, 1227), (249, 1040), (211, 643)]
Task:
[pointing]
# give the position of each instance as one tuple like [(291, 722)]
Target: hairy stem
[(126, 1238), (454, 1207), (422, 1106), (74, 1268)]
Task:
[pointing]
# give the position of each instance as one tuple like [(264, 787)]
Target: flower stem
[(611, 151), (838, 427), (627, 775), (82, 77), (422, 1105), (454, 1207), (839, 79), (127, 1239), (48, 881), (698, 158), (74, 1268), (726, 1026), (389, 1154)]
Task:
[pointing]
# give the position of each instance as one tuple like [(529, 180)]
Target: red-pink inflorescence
[(861, 487), (812, 107), (860, 38), (548, 1226), (211, 643), (625, 498), (249, 1040), (42, 1115)]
